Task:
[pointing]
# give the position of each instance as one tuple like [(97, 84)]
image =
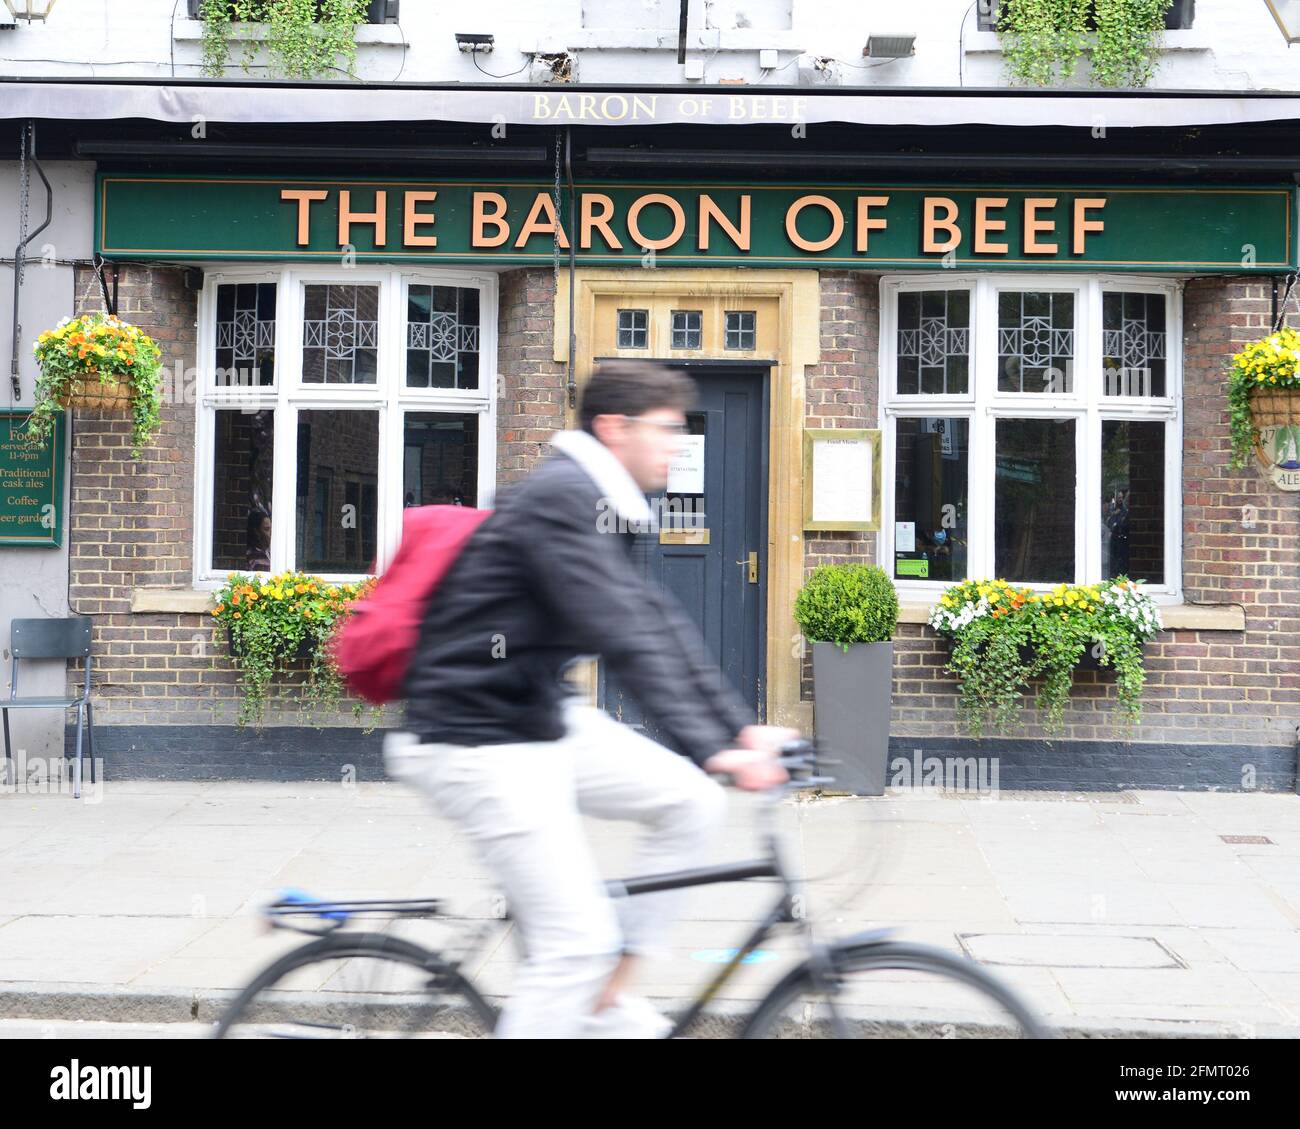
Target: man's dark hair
[(632, 388)]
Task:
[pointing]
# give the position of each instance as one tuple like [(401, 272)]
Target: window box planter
[(284, 607), (1003, 638), (303, 651)]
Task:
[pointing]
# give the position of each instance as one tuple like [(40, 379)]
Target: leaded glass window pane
[(245, 325), (1135, 344), (934, 342), (340, 334), (1035, 341), (442, 337)]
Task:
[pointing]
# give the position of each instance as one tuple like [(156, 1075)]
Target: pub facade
[(364, 306)]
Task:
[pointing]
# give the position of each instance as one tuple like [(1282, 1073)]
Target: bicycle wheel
[(358, 986), (893, 990)]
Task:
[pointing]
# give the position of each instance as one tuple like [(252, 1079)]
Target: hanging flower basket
[(1263, 391), (97, 395), (1275, 407), (100, 362)]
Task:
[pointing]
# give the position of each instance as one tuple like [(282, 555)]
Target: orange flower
[(237, 614), (218, 609), (234, 600)]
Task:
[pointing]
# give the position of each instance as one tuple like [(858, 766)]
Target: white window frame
[(983, 405), (290, 395)]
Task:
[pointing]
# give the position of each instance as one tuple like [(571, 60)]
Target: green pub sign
[(31, 483), (1194, 229)]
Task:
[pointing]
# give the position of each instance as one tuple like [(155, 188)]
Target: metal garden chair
[(53, 639)]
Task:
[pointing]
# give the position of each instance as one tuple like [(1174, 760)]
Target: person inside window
[(257, 555)]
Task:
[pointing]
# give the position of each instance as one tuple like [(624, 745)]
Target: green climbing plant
[(305, 38), (1043, 40), (1128, 33)]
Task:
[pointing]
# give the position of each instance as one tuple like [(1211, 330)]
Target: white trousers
[(520, 805)]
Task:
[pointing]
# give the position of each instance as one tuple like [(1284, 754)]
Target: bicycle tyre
[(457, 1004), (799, 982)]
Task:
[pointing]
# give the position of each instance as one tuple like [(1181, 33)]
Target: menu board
[(841, 483), (31, 483)]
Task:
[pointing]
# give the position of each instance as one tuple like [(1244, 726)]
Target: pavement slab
[(1113, 914)]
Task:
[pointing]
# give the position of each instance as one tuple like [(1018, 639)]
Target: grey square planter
[(852, 712)]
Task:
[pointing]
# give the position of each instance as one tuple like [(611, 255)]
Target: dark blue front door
[(710, 553)]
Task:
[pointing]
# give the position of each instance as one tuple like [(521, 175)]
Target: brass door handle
[(752, 562)]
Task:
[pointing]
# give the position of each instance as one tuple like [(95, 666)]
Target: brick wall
[(531, 400), (841, 391), (131, 526), (1211, 687)]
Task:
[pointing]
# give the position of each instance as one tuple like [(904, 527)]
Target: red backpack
[(373, 646)]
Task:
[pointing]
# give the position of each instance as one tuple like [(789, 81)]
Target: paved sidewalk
[(1114, 913)]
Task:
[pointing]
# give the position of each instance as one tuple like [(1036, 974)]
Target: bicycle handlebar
[(802, 764)]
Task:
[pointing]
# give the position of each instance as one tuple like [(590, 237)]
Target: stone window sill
[(181, 600), (1180, 617), (390, 35)]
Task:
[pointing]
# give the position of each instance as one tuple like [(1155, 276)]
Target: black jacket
[(545, 579)]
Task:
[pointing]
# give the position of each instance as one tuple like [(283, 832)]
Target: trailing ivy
[(1043, 40), (305, 38), (1128, 32)]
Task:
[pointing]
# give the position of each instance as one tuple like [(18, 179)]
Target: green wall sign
[(31, 483), (876, 226)]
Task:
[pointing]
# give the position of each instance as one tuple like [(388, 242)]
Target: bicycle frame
[(821, 965)]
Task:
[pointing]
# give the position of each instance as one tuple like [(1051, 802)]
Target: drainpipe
[(573, 240), (29, 133)]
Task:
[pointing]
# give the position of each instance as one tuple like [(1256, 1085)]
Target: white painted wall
[(34, 581), (1234, 44)]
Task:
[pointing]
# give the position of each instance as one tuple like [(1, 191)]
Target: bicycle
[(429, 994)]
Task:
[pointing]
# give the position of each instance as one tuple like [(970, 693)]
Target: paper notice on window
[(841, 480), (942, 428), (905, 537), (686, 472)]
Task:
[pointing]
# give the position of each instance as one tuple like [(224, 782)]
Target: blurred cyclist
[(500, 740)]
